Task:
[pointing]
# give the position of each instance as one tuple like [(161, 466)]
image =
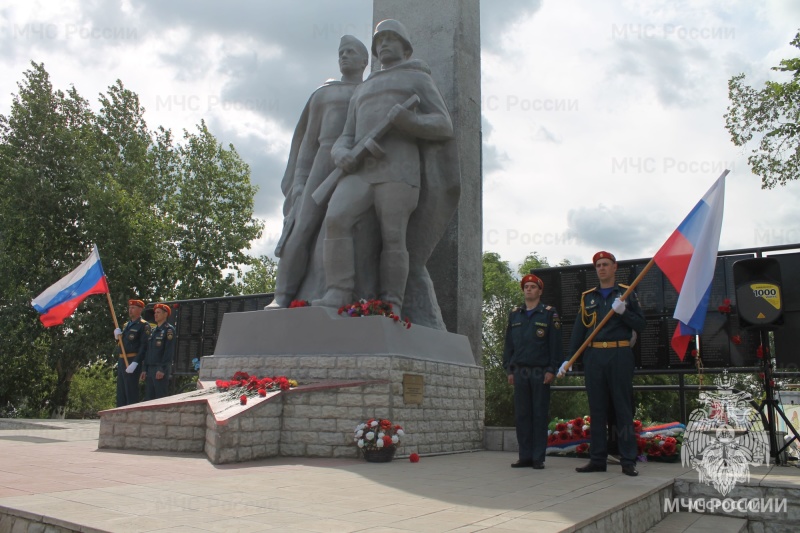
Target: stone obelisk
[(446, 35)]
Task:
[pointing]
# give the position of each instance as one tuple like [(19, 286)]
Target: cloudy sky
[(602, 121)]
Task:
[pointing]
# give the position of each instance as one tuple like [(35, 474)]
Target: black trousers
[(609, 383), (155, 388), (127, 384), (531, 412)]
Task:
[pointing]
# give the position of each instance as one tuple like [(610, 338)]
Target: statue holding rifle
[(406, 174)]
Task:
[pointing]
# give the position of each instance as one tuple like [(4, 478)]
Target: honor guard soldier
[(134, 340), (532, 354), (608, 363), (159, 354)]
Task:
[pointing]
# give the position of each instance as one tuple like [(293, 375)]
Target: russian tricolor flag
[(60, 300), (688, 259)]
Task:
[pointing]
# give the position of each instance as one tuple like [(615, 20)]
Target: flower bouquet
[(377, 439), (243, 385), (373, 308), (661, 442)]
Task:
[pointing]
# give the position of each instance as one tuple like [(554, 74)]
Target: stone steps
[(698, 523)]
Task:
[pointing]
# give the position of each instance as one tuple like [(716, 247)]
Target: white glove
[(117, 333), (562, 371), (131, 367), (619, 306)]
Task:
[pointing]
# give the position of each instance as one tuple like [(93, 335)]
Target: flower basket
[(379, 455)]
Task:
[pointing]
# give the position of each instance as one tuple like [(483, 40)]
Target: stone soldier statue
[(320, 124), (409, 178)]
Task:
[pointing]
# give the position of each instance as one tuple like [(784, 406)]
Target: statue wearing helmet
[(409, 179)]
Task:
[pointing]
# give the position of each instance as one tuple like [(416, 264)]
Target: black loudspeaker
[(758, 293)]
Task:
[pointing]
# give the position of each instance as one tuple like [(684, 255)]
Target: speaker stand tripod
[(772, 406)]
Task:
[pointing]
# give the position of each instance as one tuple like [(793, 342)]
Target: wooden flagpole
[(606, 318), (116, 326)]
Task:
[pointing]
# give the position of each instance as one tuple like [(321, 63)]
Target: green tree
[(212, 212), (501, 293), (169, 220), (770, 116), (261, 277)]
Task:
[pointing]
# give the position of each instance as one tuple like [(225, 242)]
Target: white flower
[(401, 432), (379, 444), (374, 423), (361, 426), (370, 435), (395, 439), (361, 443), (359, 433), (381, 435), (648, 435)]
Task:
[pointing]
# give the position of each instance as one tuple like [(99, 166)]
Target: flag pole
[(606, 318), (116, 326)]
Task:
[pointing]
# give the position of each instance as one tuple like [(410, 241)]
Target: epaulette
[(590, 290), (624, 286), (548, 307)]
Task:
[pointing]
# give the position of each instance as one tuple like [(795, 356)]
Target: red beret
[(603, 255), (528, 278), (163, 307), (137, 303)]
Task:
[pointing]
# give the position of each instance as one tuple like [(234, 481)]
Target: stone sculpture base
[(349, 370)]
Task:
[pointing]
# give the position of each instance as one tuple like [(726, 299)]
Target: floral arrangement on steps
[(373, 308), (243, 386), (377, 439), (660, 442)]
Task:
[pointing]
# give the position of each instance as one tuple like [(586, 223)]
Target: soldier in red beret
[(134, 340), (532, 354), (159, 355), (608, 363)]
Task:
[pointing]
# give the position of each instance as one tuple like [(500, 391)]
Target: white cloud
[(602, 122)]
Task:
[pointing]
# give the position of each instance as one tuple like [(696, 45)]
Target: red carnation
[(262, 392), (668, 448), (577, 423), (387, 441), (577, 433), (582, 447), (222, 384), (243, 399), (414, 457), (552, 438), (385, 425), (654, 451), (637, 426), (736, 339), (563, 435), (641, 444), (561, 426)]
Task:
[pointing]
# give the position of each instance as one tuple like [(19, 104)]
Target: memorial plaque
[(650, 345), (413, 388), (650, 291), (672, 359), (571, 289), (210, 318), (715, 341)]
